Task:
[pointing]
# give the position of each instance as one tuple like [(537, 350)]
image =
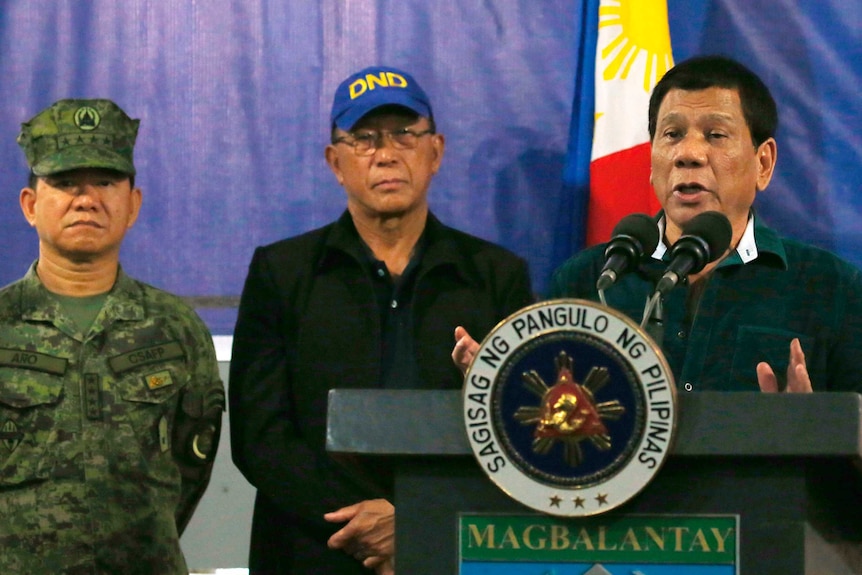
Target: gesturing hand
[(798, 380), (465, 349)]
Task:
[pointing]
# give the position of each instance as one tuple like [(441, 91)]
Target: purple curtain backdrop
[(234, 99)]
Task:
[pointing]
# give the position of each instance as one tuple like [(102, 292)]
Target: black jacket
[(309, 322)]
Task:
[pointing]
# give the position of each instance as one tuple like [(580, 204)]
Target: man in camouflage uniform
[(110, 397)]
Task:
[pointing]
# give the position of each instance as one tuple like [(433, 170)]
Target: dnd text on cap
[(74, 134), (374, 87)]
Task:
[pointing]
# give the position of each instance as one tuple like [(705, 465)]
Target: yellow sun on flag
[(643, 29)]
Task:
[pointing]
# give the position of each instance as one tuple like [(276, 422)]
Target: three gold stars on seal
[(601, 499)]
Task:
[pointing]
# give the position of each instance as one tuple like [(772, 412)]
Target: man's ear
[(27, 200), (767, 155), (332, 160), (137, 199), (439, 144)]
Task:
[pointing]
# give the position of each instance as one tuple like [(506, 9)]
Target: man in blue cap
[(369, 301)]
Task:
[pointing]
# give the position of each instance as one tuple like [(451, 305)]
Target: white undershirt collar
[(746, 248)]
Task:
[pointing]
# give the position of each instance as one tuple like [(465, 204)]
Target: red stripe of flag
[(619, 186)]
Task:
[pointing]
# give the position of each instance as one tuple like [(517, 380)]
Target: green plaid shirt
[(747, 313)]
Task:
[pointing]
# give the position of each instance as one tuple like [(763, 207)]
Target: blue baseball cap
[(374, 87)]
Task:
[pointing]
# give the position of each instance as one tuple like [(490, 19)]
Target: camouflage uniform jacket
[(98, 473)]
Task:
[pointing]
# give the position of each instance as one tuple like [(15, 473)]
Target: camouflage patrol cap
[(72, 134)]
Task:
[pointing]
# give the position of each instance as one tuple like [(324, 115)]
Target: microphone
[(704, 239), (634, 237)]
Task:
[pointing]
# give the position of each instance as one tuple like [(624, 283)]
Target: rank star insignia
[(568, 411)]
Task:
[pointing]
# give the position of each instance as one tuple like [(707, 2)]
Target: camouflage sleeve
[(198, 421)]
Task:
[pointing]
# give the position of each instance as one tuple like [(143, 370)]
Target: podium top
[(412, 422)]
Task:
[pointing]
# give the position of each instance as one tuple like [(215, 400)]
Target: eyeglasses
[(365, 143)]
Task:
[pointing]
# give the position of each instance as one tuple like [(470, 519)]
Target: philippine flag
[(633, 51)]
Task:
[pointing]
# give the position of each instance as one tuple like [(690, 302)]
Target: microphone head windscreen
[(642, 228), (714, 228)]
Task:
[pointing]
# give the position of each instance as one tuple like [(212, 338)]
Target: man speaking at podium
[(369, 301), (768, 313)]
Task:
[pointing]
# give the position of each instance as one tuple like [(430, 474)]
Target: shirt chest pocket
[(31, 424), (149, 384), (755, 344)]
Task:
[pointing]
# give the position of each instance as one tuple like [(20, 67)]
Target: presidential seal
[(570, 407)]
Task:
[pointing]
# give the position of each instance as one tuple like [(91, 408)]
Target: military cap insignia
[(569, 407), (87, 118)]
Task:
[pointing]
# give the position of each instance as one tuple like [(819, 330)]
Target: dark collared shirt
[(747, 312), (394, 300)]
